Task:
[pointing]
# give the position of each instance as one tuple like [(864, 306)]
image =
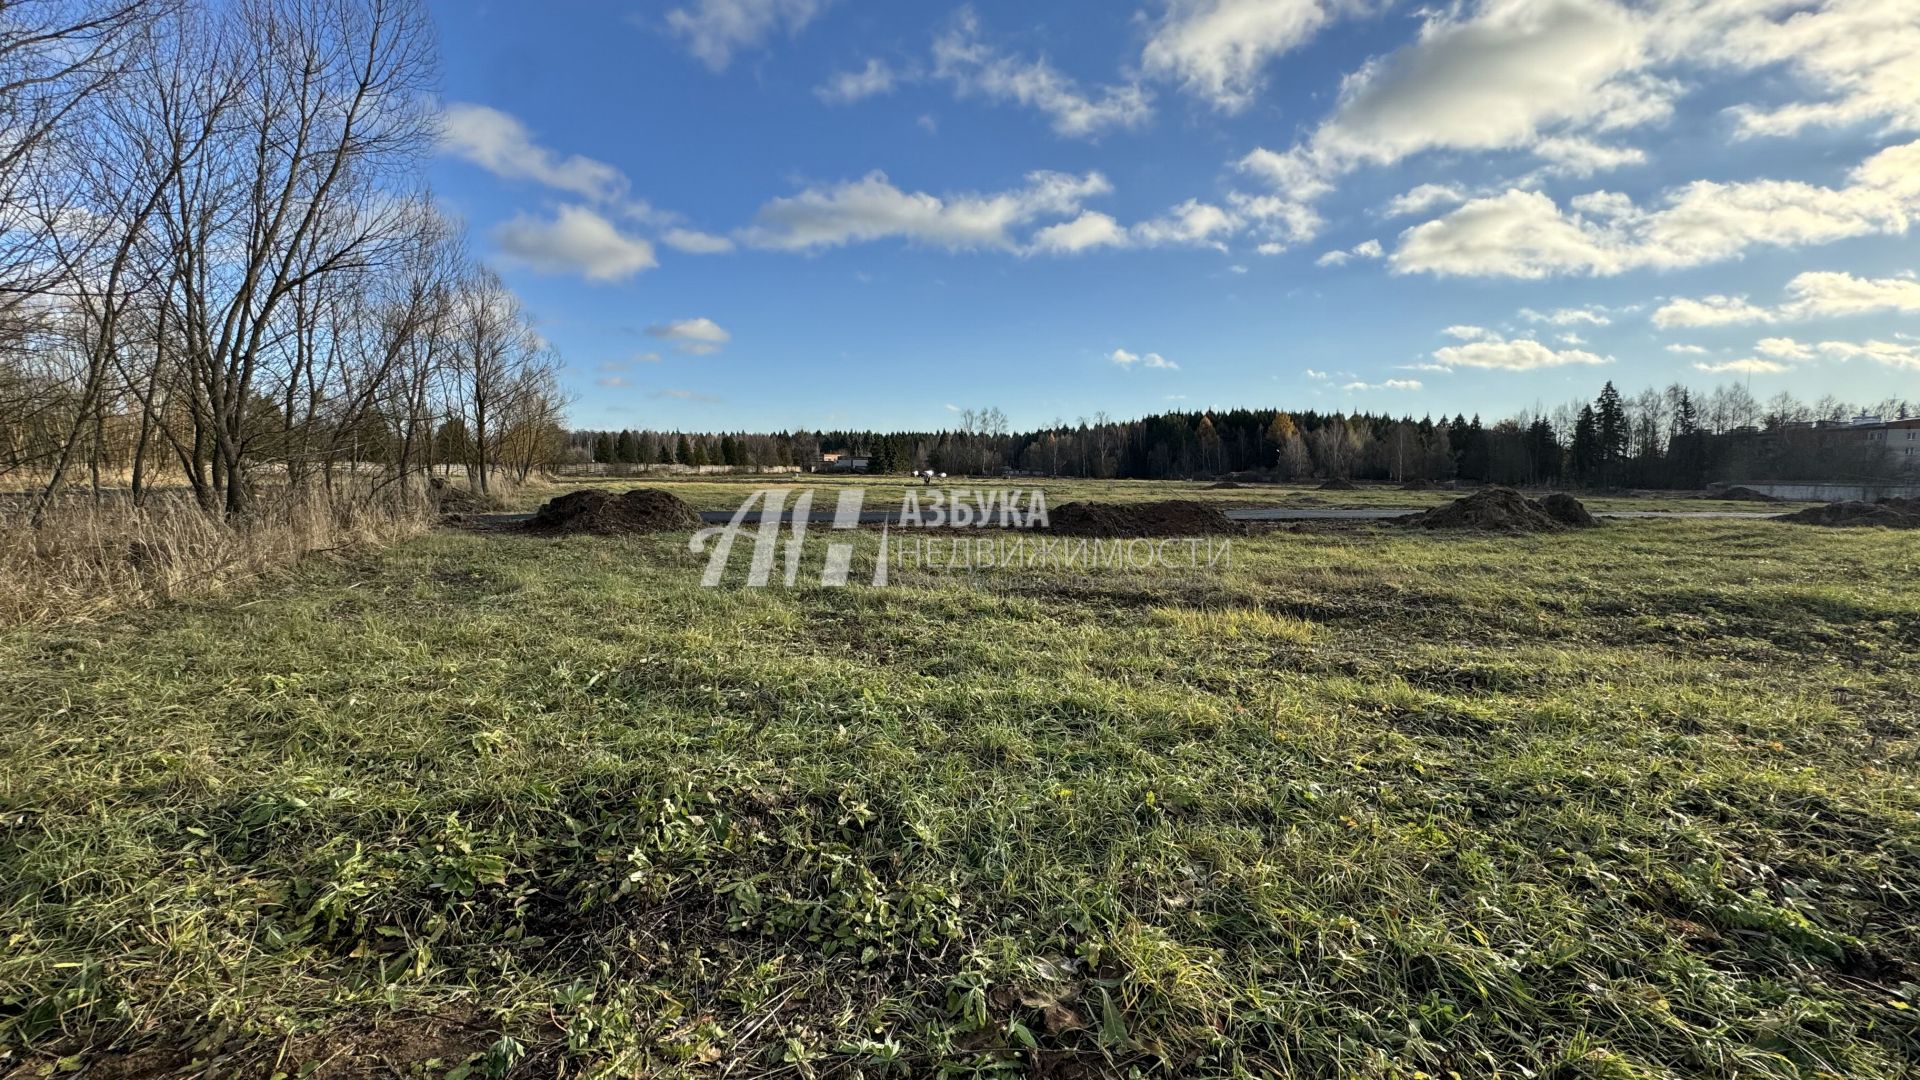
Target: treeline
[(1672, 438), (219, 266)]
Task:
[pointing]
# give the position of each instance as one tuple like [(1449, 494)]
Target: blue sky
[(770, 214)]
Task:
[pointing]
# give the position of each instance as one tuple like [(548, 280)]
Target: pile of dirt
[(1891, 513), (1502, 509), (642, 510), (1567, 510), (1745, 494), (458, 502), (1171, 517), (1339, 485), (1225, 484)]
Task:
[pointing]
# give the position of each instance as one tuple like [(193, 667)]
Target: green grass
[(1635, 802)]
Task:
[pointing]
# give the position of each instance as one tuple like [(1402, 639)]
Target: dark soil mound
[(642, 510), (1496, 509), (1225, 484), (1172, 517), (454, 502), (1339, 485), (1891, 513), (1745, 494), (1567, 510)]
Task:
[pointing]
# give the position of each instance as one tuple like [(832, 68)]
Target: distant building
[(1900, 439), (841, 461)]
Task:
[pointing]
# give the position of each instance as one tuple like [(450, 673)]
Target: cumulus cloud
[(1521, 354), (1127, 360), (1217, 49), (1815, 294), (1751, 365), (1090, 230), (575, 241), (1687, 350), (1423, 198), (698, 337), (1192, 223), (1469, 333), (1713, 310), (872, 208), (1561, 79), (1896, 355), (716, 29), (1366, 249), (1525, 234), (847, 87), (1781, 348), (1389, 384), (975, 68), (1590, 316), (1317, 376), (499, 143)]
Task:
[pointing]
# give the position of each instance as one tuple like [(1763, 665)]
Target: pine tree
[(666, 453), (603, 449), (683, 453), (1585, 455), (1613, 434), (628, 448)]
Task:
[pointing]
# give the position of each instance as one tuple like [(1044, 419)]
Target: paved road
[(1256, 514)]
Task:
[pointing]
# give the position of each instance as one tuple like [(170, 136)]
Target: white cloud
[(1855, 55), (1469, 333), (1090, 230), (611, 381), (974, 67), (1390, 384), (1886, 353), (1522, 354), (1525, 234), (1815, 294), (1827, 293), (687, 395), (1422, 199), (699, 337), (695, 242), (1365, 249), (1708, 311), (1571, 155), (1317, 376), (1781, 348), (1687, 350), (871, 208), (1749, 366), (847, 87), (1150, 360), (1217, 49), (1192, 223), (1590, 316), (502, 145), (1572, 339), (576, 241), (716, 29)]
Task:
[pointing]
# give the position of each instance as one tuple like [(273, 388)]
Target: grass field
[(726, 492), (1633, 802)]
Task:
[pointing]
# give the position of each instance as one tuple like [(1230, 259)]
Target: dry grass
[(88, 557)]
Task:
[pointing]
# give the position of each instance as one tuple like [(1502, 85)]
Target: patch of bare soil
[(602, 513), (1890, 513), (394, 1047), (1224, 484), (1170, 517), (1339, 485), (1502, 509), (1745, 494)]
